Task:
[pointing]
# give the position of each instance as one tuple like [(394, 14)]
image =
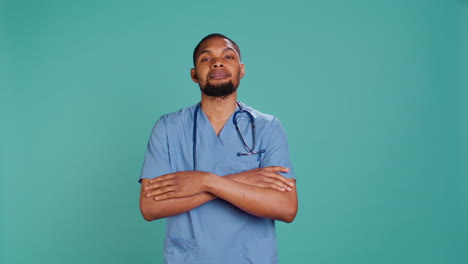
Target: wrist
[(230, 176), (208, 179)]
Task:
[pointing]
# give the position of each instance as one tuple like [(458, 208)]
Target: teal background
[(372, 93)]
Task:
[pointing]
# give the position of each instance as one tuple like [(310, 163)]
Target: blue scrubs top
[(217, 231)]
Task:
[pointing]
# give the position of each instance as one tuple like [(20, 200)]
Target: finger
[(270, 185), (166, 196), (287, 181), (160, 191), (290, 182), (162, 178), (277, 175), (159, 185), (277, 168), (273, 186), (277, 184)]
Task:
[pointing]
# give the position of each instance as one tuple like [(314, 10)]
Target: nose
[(217, 64)]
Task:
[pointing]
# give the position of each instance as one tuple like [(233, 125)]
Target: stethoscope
[(250, 151)]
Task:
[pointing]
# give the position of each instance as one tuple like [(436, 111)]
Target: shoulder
[(179, 117), (179, 120), (261, 119), (267, 126)]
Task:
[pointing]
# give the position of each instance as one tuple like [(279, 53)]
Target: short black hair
[(214, 35)]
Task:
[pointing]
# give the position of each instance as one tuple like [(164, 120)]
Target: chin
[(218, 82)]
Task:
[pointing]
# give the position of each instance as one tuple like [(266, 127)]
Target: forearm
[(260, 192), (153, 210), (258, 201)]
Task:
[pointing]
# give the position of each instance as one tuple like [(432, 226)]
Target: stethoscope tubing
[(234, 120)]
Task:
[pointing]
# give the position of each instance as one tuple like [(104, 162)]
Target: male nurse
[(219, 171)]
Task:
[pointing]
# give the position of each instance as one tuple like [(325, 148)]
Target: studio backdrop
[(372, 94)]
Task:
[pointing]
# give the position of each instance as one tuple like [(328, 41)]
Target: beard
[(219, 90)]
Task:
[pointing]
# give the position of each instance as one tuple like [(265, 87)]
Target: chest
[(213, 148), (218, 126)]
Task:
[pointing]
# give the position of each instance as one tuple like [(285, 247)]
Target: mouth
[(218, 75)]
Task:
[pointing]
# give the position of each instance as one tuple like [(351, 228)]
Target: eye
[(229, 57), (204, 59)]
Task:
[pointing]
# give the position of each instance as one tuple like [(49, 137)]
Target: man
[(218, 180)]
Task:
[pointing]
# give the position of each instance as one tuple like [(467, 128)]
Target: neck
[(219, 109)]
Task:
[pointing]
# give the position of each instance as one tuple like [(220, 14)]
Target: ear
[(193, 74), (242, 70)]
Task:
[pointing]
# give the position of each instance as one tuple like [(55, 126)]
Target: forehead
[(215, 44)]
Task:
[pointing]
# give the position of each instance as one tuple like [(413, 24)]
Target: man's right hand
[(268, 177)]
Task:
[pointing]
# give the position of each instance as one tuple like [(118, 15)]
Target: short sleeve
[(156, 161), (277, 150)]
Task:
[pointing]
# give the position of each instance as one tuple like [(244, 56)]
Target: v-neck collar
[(227, 126)]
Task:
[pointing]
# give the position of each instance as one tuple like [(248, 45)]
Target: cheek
[(237, 73), (201, 76), (238, 69)]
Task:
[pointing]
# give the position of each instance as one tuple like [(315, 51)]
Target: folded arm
[(152, 210), (262, 202), (263, 192)]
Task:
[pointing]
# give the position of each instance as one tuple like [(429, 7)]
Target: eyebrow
[(209, 51)]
